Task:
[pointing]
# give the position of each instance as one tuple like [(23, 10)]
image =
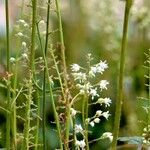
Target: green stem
[(57, 2), (33, 34), (149, 92), (44, 78), (86, 123), (8, 84), (14, 121), (61, 39), (37, 120), (25, 145), (121, 76), (51, 93)]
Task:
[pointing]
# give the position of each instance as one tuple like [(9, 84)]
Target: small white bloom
[(78, 128), (80, 144), (106, 114), (106, 101), (73, 112), (24, 44), (92, 124), (96, 120), (12, 60), (108, 135), (75, 67), (101, 66), (93, 71), (21, 21), (79, 76), (19, 34), (84, 88), (77, 143), (98, 113), (93, 93), (103, 84), (42, 22), (26, 25), (24, 56)]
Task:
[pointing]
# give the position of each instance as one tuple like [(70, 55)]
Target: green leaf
[(131, 140)]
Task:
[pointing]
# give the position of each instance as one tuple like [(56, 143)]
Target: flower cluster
[(79, 144), (82, 77), (96, 117)]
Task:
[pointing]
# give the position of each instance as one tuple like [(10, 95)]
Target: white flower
[(84, 88), (26, 25), (24, 56), (80, 144), (75, 67), (78, 128), (98, 113), (93, 71), (107, 135), (21, 21), (73, 112), (19, 34), (42, 22), (93, 93), (92, 123), (96, 120), (79, 76), (101, 66), (106, 114), (12, 60), (103, 84), (24, 44), (77, 143), (106, 101)]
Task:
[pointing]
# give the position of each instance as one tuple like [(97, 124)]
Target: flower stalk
[(57, 2), (8, 81), (44, 77), (121, 75)]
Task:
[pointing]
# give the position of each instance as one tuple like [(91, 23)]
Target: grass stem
[(121, 76), (8, 70)]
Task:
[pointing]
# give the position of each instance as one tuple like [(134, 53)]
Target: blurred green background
[(93, 27)]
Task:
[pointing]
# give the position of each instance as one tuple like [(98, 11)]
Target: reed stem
[(8, 71), (121, 76), (57, 2), (51, 93), (44, 77)]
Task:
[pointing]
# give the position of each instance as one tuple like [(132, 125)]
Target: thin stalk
[(44, 78), (37, 121), (8, 70), (61, 39), (14, 121), (51, 94), (149, 92), (25, 145), (33, 35), (83, 110), (86, 123), (57, 2), (26, 140), (121, 76)]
